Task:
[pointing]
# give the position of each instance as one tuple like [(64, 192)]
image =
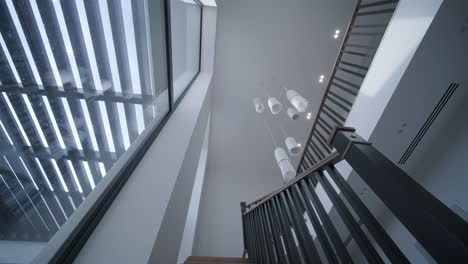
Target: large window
[(185, 38), (82, 85)]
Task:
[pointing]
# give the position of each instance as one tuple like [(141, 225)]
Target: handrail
[(276, 229), (303, 170), (334, 106), (332, 159), (330, 79)]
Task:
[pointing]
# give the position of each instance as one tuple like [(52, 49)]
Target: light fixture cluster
[(321, 78), (298, 105)]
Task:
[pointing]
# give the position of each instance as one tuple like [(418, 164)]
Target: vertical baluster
[(281, 256), (321, 236), (244, 235), (263, 235), (361, 240), (253, 247), (260, 256), (340, 249), (270, 234), (291, 247), (392, 251), (248, 242), (305, 239)]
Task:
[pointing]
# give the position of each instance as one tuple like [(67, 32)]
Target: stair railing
[(360, 41), (275, 228)]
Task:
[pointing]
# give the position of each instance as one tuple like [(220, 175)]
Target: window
[(83, 84), (185, 38)]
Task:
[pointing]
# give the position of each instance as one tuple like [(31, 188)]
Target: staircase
[(211, 260)]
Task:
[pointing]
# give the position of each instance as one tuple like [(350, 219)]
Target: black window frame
[(68, 251)]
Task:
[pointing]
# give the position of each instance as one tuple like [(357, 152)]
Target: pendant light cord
[(284, 132), (269, 132)]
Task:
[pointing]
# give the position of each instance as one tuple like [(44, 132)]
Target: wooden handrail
[(330, 79), (332, 159)]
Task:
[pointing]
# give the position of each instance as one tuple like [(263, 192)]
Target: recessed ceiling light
[(335, 36), (337, 32), (298, 144)]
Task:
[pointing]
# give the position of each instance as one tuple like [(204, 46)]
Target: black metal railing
[(275, 229), (360, 41)]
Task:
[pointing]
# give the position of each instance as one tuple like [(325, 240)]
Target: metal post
[(243, 209), (321, 236), (386, 243), (340, 249), (270, 235), (258, 239), (442, 232), (305, 239), (361, 240), (287, 234), (263, 235), (277, 229)]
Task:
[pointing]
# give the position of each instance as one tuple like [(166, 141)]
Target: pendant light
[(287, 170), (275, 105), (282, 159), (259, 107), (293, 147), (299, 102), (292, 113)]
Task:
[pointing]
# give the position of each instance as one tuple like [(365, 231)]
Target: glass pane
[(185, 39), (80, 81)]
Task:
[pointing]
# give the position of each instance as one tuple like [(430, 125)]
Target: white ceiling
[(260, 44)]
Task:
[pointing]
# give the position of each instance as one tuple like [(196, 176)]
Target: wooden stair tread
[(220, 260), (213, 262)]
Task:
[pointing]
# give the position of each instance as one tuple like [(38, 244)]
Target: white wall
[(438, 162), (169, 236), (442, 170), (192, 214), (405, 32)]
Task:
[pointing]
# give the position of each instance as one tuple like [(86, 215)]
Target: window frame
[(173, 104), (80, 233)]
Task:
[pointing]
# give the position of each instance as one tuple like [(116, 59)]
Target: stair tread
[(210, 259), (212, 262)]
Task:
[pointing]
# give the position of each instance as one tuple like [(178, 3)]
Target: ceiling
[(260, 45)]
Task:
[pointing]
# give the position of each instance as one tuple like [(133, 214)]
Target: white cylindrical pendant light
[(292, 113), (299, 102), (287, 170), (275, 105), (293, 147), (259, 107)]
